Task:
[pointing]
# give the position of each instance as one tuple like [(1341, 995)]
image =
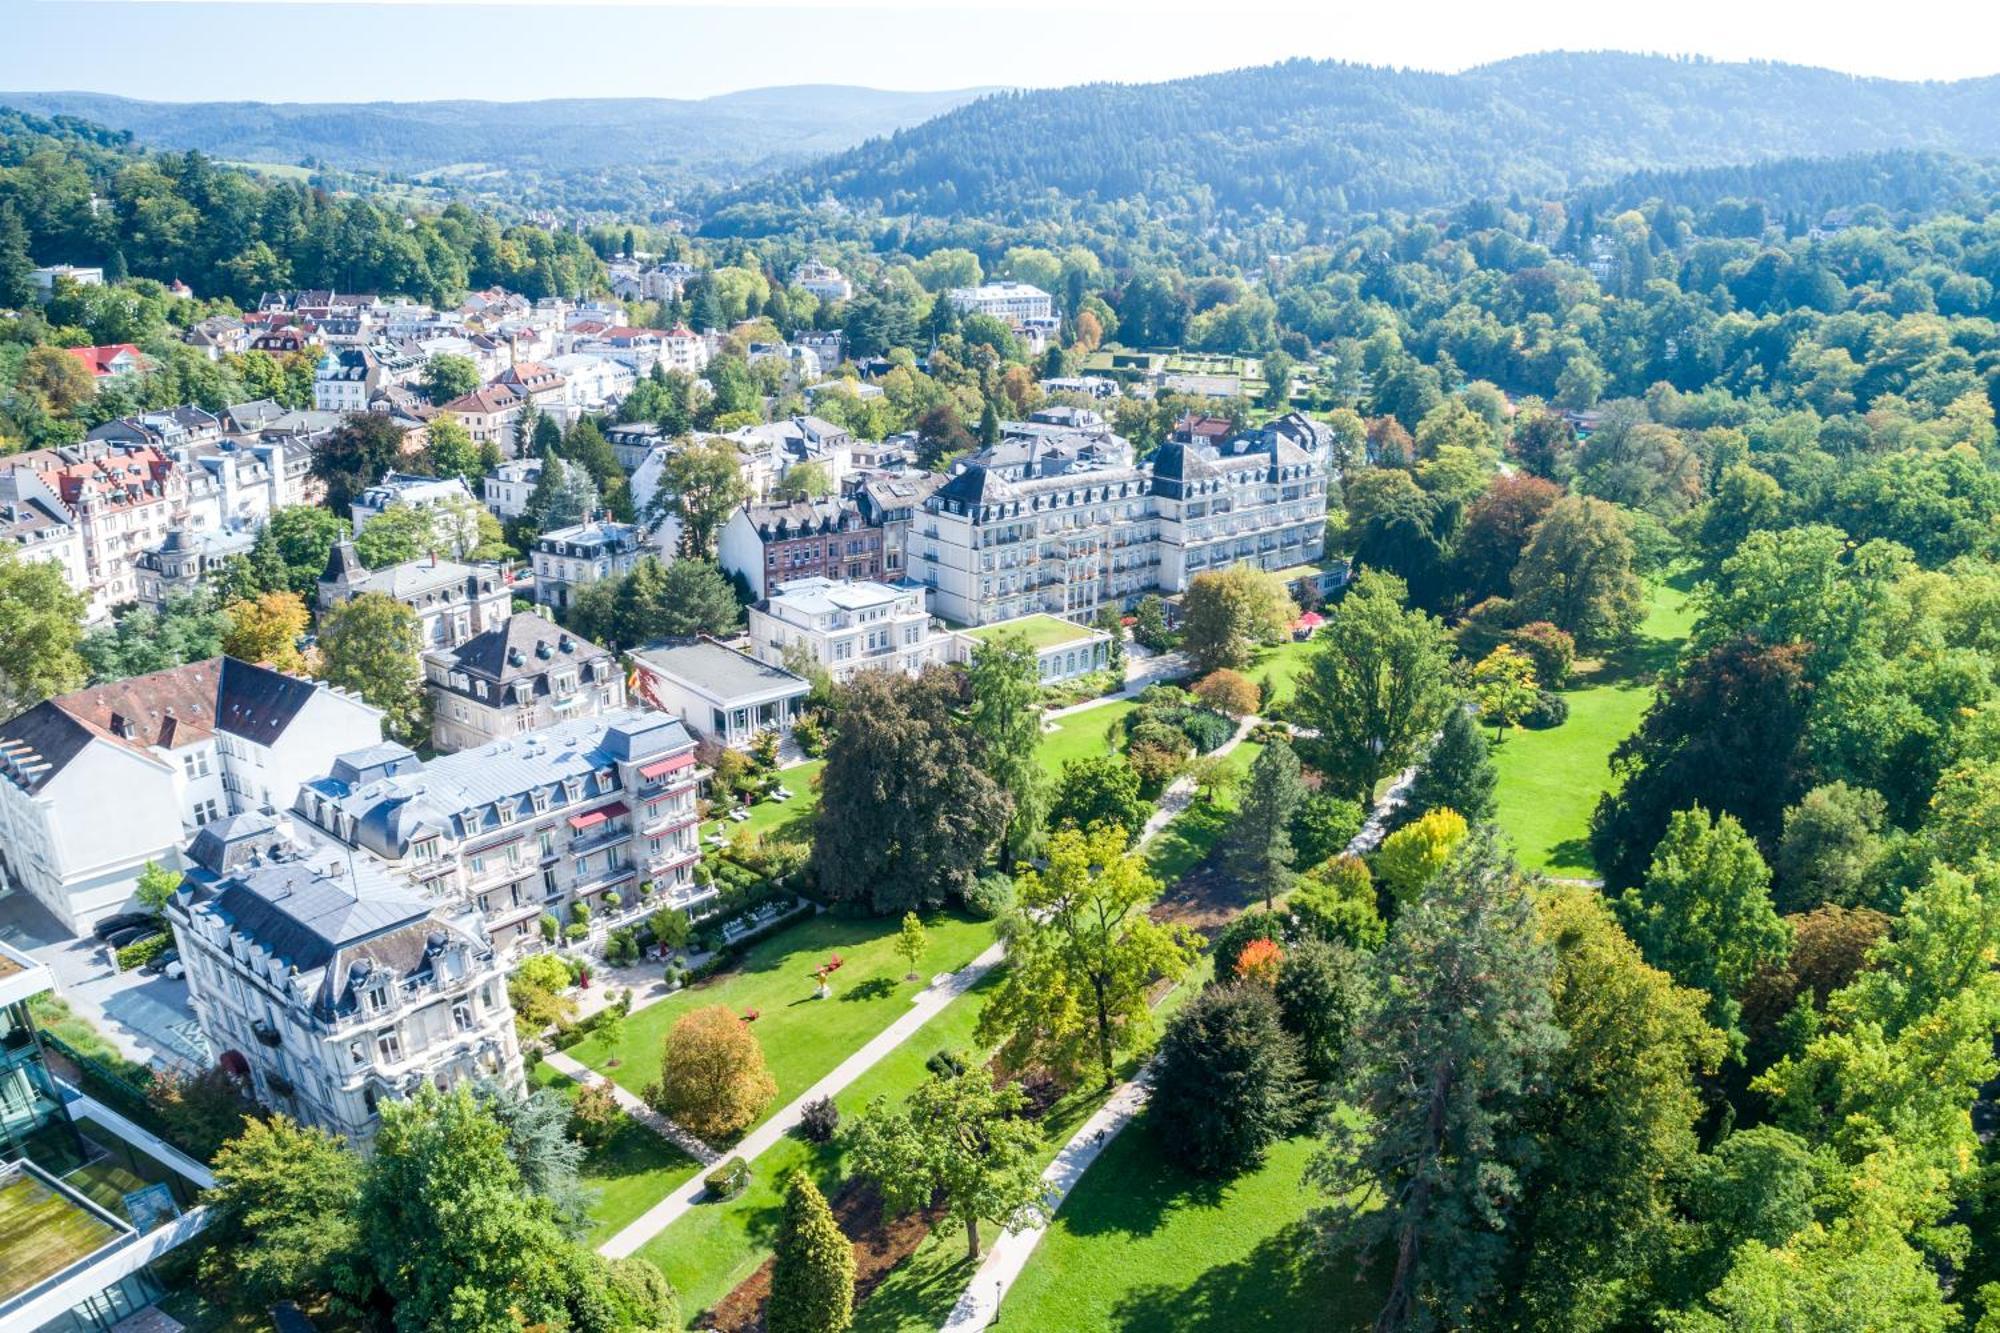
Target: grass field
[(1082, 734), (1281, 664), (1181, 845), (803, 1038), (633, 1171), (1139, 1245), (792, 819), (1549, 781)]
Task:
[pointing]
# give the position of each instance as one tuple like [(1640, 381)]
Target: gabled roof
[(526, 645)]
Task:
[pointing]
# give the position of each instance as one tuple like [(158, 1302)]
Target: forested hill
[(737, 130), (1323, 140)]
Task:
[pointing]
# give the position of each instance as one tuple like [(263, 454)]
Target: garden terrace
[(44, 1230), (1042, 631)]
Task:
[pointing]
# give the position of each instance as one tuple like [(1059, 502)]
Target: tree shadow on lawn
[(1133, 1186), (1287, 1282), (1571, 857), (875, 988)]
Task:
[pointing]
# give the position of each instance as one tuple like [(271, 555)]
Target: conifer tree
[(1457, 774), (812, 1282)]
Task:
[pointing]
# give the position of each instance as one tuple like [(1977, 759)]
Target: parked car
[(159, 962), (111, 925), (133, 934), (175, 971)]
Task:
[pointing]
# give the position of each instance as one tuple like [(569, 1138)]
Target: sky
[(389, 50)]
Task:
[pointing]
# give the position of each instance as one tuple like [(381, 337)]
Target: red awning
[(663, 766), (586, 820)]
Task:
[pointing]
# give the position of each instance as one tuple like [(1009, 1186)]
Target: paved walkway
[(923, 1008), (1180, 793), (635, 1106)]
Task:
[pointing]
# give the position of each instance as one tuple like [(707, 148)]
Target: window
[(388, 1048), (547, 842), (204, 811), (196, 763), (377, 999), (461, 1016)]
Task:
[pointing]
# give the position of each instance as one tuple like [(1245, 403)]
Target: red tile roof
[(98, 359)]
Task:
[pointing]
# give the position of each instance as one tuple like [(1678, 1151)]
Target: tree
[(1504, 686), (1496, 532), (1615, 1119), (712, 1075), (369, 645), (803, 481), (538, 990), (1704, 915), (907, 815), (305, 537), (563, 496), (1831, 847), (201, 1111), (1006, 718), (1418, 852), (1335, 901), (268, 630), (1259, 851), (1322, 992), (1229, 1081), (1456, 774), (1322, 826), (41, 626), (17, 266), (450, 452), (960, 1141), (1149, 624), (1376, 685), (1083, 956), (1441, 1068), (911, 942), (550, 1162), (1100, 789), (1226, 613), (1110, 623), (156, 886), (1577, 573), (812, 1278), (282, 1216), (56, 379), (677, 600), (448, 377), (702, 485), (355, 457), (1227, 692)]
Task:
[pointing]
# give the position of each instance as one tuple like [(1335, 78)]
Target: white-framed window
[(388, 1047), (196, 763), (204, 811)]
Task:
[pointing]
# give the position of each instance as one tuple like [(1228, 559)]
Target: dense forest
[(1321, 141)]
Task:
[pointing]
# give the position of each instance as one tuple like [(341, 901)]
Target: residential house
[(490, 415), (420, 492), (46, 278), (345, 379), (720, 692), (453, 602), (331, 988), (183, 559), (172, 750), (527, 674), (823, 280), (569, 559), (770, 544), (890, 503), (116, 361), (121, 498), (594, 812), (506, 488), (847, 627)]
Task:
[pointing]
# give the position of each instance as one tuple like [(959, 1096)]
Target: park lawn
[(1181, 845), (631, 1172), (1042, 631), (1082, 734), (1139, 1244), (1549, 781), (1282, 664), (803, 1038), (791, 819)]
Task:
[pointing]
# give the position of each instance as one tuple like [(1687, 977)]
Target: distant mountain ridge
[(735, 130), (1321, 139)]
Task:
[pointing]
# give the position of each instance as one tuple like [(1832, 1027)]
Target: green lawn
[(1282, 664), (1139, 1245), (633, 1171), (1083, 734), (1041, 631), (1549, 781), (803, 1038), (793, 818), (1180, 846)]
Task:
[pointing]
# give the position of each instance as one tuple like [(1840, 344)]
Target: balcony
[(669, 859), (669, 820), (599, 835)]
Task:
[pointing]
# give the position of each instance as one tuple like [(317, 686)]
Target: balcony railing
[(602, 835)]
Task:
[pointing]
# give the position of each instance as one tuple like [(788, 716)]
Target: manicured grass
[(1180, 846), (631, 1172), (42, 1232), (803, 1038), (1282, 664), (1083, 734), (1549, 781), (1041, 631), (1140, 1245), (791, 819)]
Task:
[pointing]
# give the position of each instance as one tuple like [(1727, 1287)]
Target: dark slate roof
[(257, 703), (295, 912), (343, 564), (527, 645), (38, 744), (974, 486), (227, 845)]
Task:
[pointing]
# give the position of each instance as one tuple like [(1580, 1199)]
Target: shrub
[(595, 1115), (945, 1064), (1207, 730), (580, 913), (1335, 901), (1255, 924), (1551, 650), (575, 931), (140, 952), (727, 1180), (1550, 710), (991, 895), (613, 900), (550, 927), (1155, 766), (622, 949), (819, 1119), (1228, 692)]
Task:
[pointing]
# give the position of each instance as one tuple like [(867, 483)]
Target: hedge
[(140, 952), (727, 1180)]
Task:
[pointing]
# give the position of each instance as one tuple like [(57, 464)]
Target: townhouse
[(567, 560), (847, 627), (453, 602), (770, 544), (121, 499), (521, 676)]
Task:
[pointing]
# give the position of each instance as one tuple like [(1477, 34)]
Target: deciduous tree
[(1225, 614), (1005, 716), (1577, 573), (1229, 1081), (369, 645), (712, 1075), (1099, 789), (268, 630)]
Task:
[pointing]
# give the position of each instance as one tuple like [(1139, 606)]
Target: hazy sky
[(361, 50)]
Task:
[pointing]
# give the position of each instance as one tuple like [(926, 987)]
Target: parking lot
[(146, 1017)]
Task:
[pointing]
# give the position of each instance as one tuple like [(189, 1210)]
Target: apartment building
[(175, 750), (594, 811), (453, 602), (1066, 526), (721, 693), (330, 986), (528, 674), (420, 492), (1014, 302), (823, 280), (847, 627), (769, 544), (345, 379), (121, 498), (183, 559), (567, 560)]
